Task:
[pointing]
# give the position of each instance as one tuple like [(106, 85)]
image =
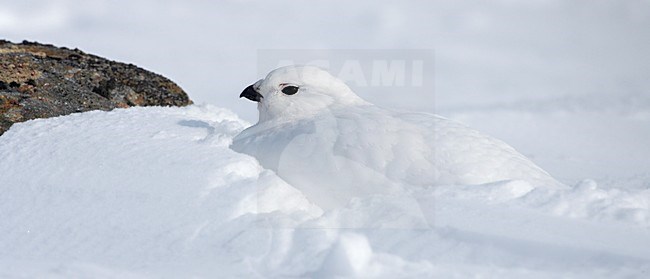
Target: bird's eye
[(290, 90)]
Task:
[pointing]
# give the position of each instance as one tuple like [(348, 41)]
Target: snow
[(157, 192), (133, 188)]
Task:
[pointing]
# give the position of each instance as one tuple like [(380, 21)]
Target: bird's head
[(293, 92)]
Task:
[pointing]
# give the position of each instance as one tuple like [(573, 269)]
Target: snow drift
[(156, 192)]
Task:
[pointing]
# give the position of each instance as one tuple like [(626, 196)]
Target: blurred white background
[(487, 54)]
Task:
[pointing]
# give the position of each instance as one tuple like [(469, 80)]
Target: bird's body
[(335, 146)]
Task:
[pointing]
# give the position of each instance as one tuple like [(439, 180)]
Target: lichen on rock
[(40, 81)]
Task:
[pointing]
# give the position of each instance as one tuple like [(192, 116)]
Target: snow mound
[(157, 192)]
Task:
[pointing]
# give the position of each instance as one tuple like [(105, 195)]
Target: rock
[(40, 81)]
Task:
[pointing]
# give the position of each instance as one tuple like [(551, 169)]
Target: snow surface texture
[(156, 192), (333, 145)]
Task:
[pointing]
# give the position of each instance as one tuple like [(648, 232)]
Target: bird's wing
[(465, 156), (384, 143)]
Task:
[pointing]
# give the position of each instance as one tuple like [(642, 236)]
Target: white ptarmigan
[(323, 139)]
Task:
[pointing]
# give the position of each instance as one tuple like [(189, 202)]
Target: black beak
[(251, 94)]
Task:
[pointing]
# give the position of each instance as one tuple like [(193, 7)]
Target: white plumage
[(332, 145)]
